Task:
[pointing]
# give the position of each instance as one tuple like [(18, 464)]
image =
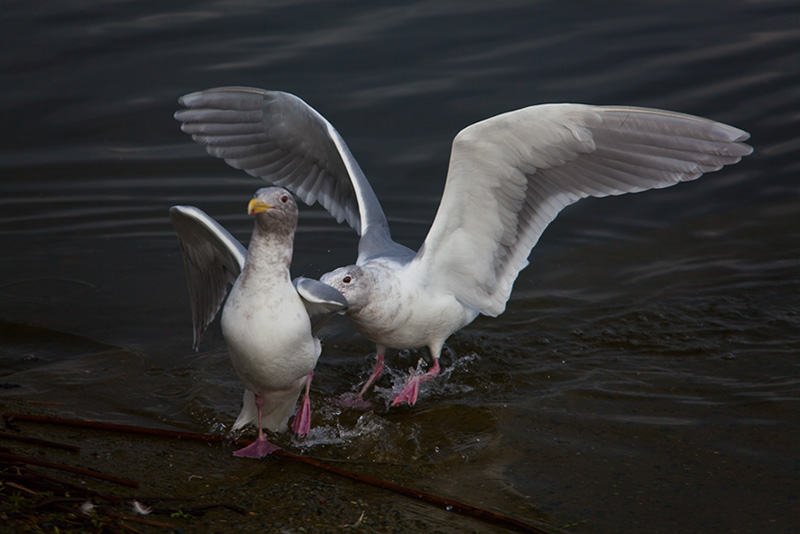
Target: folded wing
[(510, 175), (321, 300)]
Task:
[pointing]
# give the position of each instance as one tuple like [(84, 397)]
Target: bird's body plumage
[(269, 337)]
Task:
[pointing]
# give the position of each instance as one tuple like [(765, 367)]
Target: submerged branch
[(13, 458), (41, 442)]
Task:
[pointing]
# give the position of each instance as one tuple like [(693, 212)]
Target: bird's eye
[(285, 199), (346, 279)]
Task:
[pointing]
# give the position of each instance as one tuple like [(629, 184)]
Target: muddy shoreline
[(228, 494)]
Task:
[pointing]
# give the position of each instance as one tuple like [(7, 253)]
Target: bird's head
[(353, 282), (274, 208)]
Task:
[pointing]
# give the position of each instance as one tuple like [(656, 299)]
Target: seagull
[(267, 319), (508, 178)]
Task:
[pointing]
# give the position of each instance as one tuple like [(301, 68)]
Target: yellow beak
[(256, 206)]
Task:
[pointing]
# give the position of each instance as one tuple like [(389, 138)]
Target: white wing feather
[(321, 301), (213, 259), (278, 137), (510, 175)]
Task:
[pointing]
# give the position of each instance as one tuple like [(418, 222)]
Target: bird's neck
[(269, 251)]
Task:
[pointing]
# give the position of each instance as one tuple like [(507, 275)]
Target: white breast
[(268, 335), (403, 313)]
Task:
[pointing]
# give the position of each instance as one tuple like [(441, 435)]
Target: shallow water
[(646, 374)]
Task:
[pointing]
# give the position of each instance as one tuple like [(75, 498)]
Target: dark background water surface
[(646, 374)]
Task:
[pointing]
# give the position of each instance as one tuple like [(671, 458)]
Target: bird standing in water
[(267, 319)]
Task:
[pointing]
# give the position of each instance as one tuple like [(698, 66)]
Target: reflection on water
[(648, 360)]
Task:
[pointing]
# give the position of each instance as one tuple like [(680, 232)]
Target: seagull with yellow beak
[(268, 321)]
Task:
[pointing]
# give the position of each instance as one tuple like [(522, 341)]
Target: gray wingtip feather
[(298, 131), (316, 292), (212, 259)]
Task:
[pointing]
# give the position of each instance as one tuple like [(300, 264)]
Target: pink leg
[(352, 400), (377, 371), (302, 421), (411, 389), (260, 447)]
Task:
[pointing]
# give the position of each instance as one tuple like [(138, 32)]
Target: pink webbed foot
[(356, 400), (411, 390), (302, 421), (258, 449)]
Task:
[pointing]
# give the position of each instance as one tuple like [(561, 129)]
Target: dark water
[(646, 374)]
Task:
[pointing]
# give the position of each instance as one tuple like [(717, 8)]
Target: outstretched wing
[(321, 300), (510, 175), (278, 137), (213, 259)]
